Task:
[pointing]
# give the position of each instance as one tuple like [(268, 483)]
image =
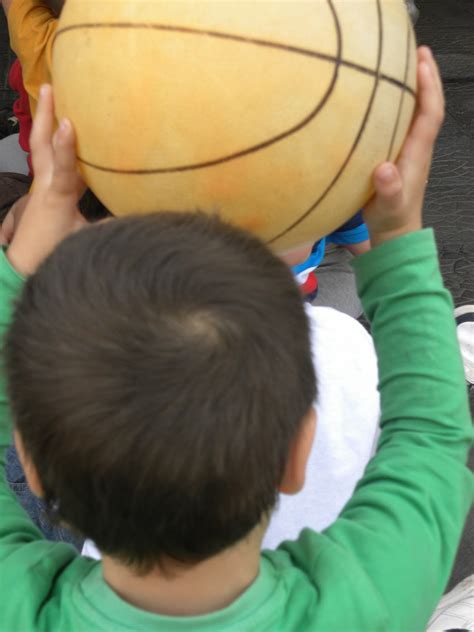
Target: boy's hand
[(12, 219), (51, 212), (397, 205)]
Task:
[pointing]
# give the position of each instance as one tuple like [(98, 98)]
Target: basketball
[(272, 114)]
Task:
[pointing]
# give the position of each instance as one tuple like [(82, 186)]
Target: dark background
[(448, 27)]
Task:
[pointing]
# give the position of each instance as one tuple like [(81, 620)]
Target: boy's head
[(159, 369)]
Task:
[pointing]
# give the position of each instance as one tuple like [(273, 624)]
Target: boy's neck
[(193, 590)]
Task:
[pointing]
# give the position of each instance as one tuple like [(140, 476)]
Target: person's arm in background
[(32, 25), (360, 248), (407, 513), (51, 214), (353, 235)]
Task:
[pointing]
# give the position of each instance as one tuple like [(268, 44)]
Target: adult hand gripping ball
[(273, 114)]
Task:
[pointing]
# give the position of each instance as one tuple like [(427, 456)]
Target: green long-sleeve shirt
[(381, 566)]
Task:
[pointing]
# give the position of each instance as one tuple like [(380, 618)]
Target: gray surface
[(448, 27), (12, 156), (336, 283)]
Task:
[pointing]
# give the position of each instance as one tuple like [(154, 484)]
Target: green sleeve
[(405, 519), (15, 525), (402, 526), (11, 284), (31, 568)]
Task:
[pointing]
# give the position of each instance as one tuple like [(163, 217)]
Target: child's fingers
[(388, 185), (40, 139), (428, 118), (429, 115), (65, 178), (427, 56), (433, 94), (431, 97), (383, 210)]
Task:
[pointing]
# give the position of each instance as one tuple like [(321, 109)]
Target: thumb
[(388, 185), (65, 180)]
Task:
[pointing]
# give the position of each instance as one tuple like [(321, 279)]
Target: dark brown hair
[(158, 370)]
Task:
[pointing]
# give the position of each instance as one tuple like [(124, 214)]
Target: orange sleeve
[(32, 27)]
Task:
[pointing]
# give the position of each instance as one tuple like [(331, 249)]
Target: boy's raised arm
[(50, 215), (407, 513), (400, 530)]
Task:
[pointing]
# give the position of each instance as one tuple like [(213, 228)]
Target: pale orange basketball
[(273, 114)]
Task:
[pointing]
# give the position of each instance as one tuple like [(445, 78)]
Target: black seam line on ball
[(244, 152), (240, 38), (359, 134), (292, 49), (402, 94), (229, 157)]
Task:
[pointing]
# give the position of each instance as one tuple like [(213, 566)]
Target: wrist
[(378, 236), (20, 261)]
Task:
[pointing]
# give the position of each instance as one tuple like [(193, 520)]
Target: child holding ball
[(346, 445), (202, 396)]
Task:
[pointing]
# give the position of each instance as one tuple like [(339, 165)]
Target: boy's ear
[(31, 473), (295, 471)]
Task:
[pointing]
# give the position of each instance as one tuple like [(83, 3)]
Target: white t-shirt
[(348, 411)]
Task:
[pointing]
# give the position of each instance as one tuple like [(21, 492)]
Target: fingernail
[(43, 89), (386, 173)]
